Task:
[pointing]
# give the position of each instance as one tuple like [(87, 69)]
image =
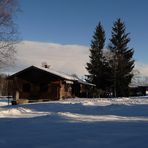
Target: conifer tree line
[(110, 68)]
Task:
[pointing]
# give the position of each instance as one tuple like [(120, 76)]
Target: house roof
[(23, 73), (60, 74)]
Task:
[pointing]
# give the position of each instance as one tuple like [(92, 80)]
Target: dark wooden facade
[(35, 84), (138, 91)]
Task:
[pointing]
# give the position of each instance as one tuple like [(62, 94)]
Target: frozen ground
[(3, 101), (76, 123)]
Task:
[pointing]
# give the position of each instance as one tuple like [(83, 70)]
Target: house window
[(26, 87), (43, 87)]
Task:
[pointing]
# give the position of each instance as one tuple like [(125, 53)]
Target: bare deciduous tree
[(8, 31)]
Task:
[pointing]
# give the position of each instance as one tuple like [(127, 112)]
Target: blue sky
[(74, 21)]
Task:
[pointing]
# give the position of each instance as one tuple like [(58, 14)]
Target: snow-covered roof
[(59, 74), (139, 81), (83, 81), (65, 76)]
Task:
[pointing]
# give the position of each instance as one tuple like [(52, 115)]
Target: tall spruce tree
[(98, 66), (122, 62)]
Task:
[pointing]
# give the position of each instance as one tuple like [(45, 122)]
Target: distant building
[(139, 87), (43, 84), (138, 90)]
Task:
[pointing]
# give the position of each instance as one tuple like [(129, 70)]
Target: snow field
[(76, 123)]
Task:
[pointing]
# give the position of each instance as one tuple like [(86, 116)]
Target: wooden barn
[(42, 84)]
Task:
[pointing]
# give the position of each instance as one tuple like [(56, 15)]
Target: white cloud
[(142, 68), (66, 58)]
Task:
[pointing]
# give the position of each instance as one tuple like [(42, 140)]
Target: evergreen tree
[(98, 66), (122, 62)]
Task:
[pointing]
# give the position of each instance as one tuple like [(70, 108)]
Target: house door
[(55, 92)]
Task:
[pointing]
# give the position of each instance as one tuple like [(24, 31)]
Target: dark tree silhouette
[(98, 66), (122, 62)]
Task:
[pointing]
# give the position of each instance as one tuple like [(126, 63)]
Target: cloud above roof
[(66, 58), (70, 59)]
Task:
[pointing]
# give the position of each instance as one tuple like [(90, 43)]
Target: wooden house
[(43, 84)]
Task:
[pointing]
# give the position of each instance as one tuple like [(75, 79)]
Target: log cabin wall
[(24, 89), (35, 83), (52, 91)]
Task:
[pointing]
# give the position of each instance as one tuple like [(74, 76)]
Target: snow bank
[(106, 101), (91, 118), (3, 101), (21, 112)]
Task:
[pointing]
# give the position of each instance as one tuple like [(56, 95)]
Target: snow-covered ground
[(76, 123), (3, 101)]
